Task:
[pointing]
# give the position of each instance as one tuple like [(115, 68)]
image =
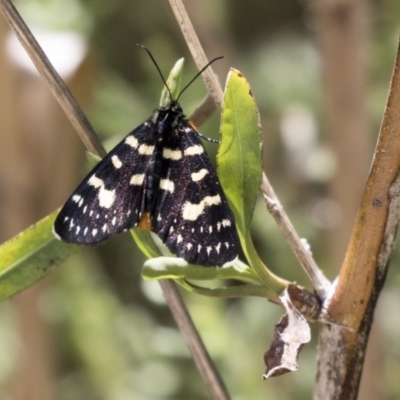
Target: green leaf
[(174, 83), (176, 268), (248, 290), (145, 242), (179, 270), (240, 154), (240, 166), (30, 256)]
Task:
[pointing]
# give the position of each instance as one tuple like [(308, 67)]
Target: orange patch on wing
[(145, 222)]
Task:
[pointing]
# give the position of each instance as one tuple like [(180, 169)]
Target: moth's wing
[(192, 216), (109, 199)]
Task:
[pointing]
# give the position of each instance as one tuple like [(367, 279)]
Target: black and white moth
[(158, 177)]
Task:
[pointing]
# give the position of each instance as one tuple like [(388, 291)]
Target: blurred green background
[(94, 329)]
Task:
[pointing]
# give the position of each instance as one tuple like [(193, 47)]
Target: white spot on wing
[(198, 176), (167, 184), (226, 222), (210, 229), (179, 239), (218, 247), (189, 246), (76, 198), (94, 232), (132, 141), (78, 228), (172, 154), (116, 162), (114, 220), (194, 150), (209, 248), (199, 248), (95, 182), (146, 150), (85, 231), (104, 228), (106, 197), (192, 211), (137, 179), (84, 209)]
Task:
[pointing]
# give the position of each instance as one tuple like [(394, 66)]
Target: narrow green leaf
[(176, 268), (145, 242), (30, 256), (240, 154), (240, 166), (247, 290), (181, 271), (173, 82)]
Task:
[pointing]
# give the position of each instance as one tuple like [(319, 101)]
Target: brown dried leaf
[(307, 303), (291, 333)]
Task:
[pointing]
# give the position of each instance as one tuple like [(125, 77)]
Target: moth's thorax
[(165, 118)]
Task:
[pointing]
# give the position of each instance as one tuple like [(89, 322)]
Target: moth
[(160, 178)]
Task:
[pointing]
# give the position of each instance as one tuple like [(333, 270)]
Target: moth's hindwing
[(108, 201), (192, 216)]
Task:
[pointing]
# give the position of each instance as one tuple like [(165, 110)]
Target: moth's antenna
[(158, 68), (198, 74), (162, 76)]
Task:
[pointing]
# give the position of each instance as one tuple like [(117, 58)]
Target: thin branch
[(203, 361), (317, 278), (93, 144), (304, 256), (200, 58), (203, 111)]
